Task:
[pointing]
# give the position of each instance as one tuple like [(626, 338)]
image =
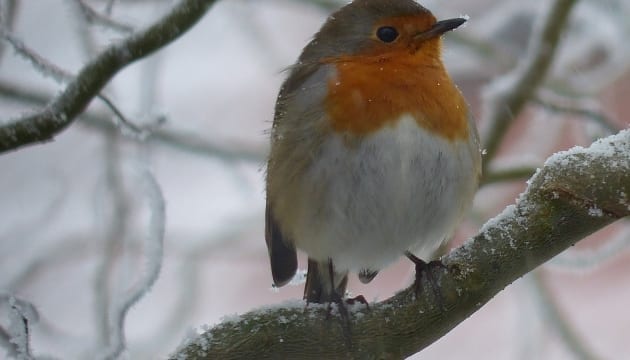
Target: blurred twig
[(506, 96), (153, 253), (8, 11), (510, 174), (555, 318), (61, 112), (116, 228), (328, 5), (178, 140), (589, 114), (586, 259), (63, 76), (95, 17), (39, 62), (17, 336)]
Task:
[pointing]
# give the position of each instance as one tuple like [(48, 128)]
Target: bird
[(374, 152)]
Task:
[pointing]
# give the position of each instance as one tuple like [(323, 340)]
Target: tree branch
[(506, 96), (61, 112), (505, 175), (576, 193), (170, 138)]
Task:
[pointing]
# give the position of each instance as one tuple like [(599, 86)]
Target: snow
[(614, 145)]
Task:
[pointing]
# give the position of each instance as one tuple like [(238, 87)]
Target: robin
[(374, 152)]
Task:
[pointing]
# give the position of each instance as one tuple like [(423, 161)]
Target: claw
[(423, 268)]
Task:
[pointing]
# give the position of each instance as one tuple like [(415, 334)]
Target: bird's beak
[(439, 28)]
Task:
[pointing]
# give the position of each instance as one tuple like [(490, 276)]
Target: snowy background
[(75, 212)]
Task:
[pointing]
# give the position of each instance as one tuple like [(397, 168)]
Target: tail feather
[(323, 283)]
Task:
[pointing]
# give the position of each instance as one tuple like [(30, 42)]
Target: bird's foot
[(425, 269)]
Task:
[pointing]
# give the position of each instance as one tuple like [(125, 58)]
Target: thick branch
[(61, 112), (575, 194)]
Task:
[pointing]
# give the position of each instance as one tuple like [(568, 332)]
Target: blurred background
[(75, 214)]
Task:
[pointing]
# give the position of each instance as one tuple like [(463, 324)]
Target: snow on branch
[(61, 112), (573, 195)]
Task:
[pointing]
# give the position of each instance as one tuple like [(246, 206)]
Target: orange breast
[(371, 92)]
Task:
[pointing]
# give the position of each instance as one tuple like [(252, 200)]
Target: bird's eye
[(387, 34)]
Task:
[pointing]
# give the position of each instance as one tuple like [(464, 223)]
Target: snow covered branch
[(575, 193), (61, 112)]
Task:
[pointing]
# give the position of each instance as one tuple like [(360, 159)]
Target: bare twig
[(8, 11), (506, 96), (94, 17), (21, 314), (115, 229), (109, 7), (587, 259), (177, 140), (555, 318), (57, 73), (596, 116), (61, 112), (135, 129), (510, 174), (39, 62), (153, 254)]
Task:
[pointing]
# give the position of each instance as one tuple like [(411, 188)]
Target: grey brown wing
[(282, 254), (297, 112)]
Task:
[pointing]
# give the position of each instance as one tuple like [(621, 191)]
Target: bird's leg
[(337, 298), (423, 268)]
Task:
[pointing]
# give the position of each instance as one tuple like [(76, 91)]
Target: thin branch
[(587, 259), (177, 140), (21, 335), (116, 228), (506, 96), (86, 37), (589, 114), (128, 124), (61, 112), (153, 252), (8, 12), (510, 174), (57, 73), (21, 314), (94, 17), (555, 318), (109, 7), (39, 62), (557, 209), (327, 5)]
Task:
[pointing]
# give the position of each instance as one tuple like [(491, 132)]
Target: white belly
[(402, 188)]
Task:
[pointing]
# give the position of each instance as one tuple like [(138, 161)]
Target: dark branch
[(61, 112)]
